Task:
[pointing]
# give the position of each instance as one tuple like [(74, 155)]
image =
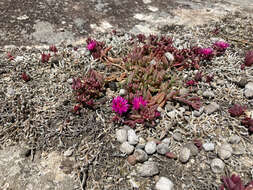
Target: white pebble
[(184, 155), (150, 147), (121, 135), (132, 138), (225, 151), (208, 146), (164, 184), (125, 147), (217, 165)]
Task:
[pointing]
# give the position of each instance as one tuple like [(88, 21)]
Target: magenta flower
[(221, 45), (206, 51), (191, 83), (138, 102), (119, 105), (92, 45)]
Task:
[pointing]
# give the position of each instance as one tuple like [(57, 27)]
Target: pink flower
[(53, 48), (221, 45), (92, 45), (119, 105), (45, 57), (138, 102), (206, 51)]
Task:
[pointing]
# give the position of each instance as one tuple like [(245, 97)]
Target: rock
[(148, 169), (10, 92), (162, 148), (166, 141), (217, 165), (132, 160), (194, 150), (126, 148), (150, 147), (242, 82), (198, 113), (225, 151), (164, 184), (140, 155), (122, 92), (79, 22), (169, 56), (248, 90), (121, 135), (172, 114), (70, 80), (234, 139), (208, 146), (208, 94), (184, 155), (177, 136), (19, 59), (132, 138), (212, 107), (141, 144), (68, 152)]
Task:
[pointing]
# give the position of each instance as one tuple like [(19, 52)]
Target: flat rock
[(225, 151), (148, 169), (211, 108), (184, 154), (164, 184), (217, 165)]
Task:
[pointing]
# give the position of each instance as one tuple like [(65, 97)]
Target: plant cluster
[(238, 110), (235, 182), (88, 89), (95, 47)]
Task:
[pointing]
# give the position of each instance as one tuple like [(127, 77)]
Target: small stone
[(164, 184), (10, 92), (132, 160), (248, 90), (148, 169), (166, 141), (194, 150), (113, 86), (198, 113), (162, 148), (150, 147), (172, 114), (177, 137), (169, 56), (217, 165), (242, 82), (125, 147), (121, 135), (225, 151), (140, 155), (70, 80), (208, 94), (122, 92), (234, 139), (68, 152), (132, 138), (211, 108), (19, 59), (141, 144), (208, 146), (184, 155)]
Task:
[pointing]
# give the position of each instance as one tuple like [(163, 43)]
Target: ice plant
[(191, 83), (235, 183), (206, 51), (237, 110), (138, 102), (53, 48), (248, 122), (10, 57), (45, 57), (209, 78), (91, 45), (221, 45), (249, 58), (25, 77), (119, 105)]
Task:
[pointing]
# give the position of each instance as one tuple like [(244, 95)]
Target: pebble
[(184, 155), (198, 113), (208, 94), (125, 147), (242, 82), (169, 56), (19, 59), (70, 80), (225, 151), (140, 155), (121, 135), (211, 108), (177, 136), (194, 150), (166, 141), (162, 148), (164, 184), (217, 165), (150, 147), (208, 146), (68, 152), (122, 92), (234, 139), (132, 160), (248, 90), (132, 138), (10, 92), (141, 144), (148, 169)]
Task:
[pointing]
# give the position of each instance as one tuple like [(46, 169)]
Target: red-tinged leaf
[(249, 58), (25, 77), (237, 110), (53, 48), (170, 155)]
